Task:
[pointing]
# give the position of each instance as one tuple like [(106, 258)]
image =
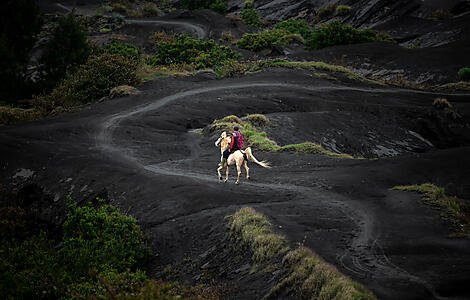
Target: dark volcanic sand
[(140, 152), (139, 149)]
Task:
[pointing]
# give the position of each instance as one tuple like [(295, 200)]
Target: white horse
[(238, 158)]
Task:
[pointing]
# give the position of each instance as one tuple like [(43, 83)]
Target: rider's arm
[(232, 142)]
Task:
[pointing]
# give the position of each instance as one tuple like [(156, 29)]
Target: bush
[(124, 49), (100, 239), (219, 6), (187, 50), (65, 51), (325, 12), (250, 17), (263, 40), (464, 74), (336, 33), (100, 249), (343, 10), (91, 82), (294, 26)]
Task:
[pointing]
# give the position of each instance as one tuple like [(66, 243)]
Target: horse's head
[(223, 135)]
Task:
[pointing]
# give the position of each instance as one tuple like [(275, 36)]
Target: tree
[(65, 51), (20, 22)]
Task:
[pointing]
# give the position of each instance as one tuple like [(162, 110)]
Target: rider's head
[(235, 128)]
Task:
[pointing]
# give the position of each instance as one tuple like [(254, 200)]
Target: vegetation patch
[(264, 40), (325, 12), (251, 230), (308, 147), (14, 115), (342, 10), (441, 104), (307, 276), (440, 15), (219, 6), (99, 257), (464, 74), (321, 66), (335, 33), (457, 212), (251, 127), (91, 82), (136, 9), (250, 17), (294, 26), (199, 54)]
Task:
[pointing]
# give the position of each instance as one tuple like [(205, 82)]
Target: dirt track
[(140, 150)]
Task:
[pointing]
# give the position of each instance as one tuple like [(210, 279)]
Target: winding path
[(363, 248)]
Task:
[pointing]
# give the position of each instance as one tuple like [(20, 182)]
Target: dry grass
[(308, 147), (122, 90), (250, 229), (309, 277), (257, 120), (15, 115), (457, 212), (441, 104)]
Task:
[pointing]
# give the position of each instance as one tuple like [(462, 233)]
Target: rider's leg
[(224, 157)]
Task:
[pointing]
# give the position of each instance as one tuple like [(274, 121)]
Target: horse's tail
[(252, 158)]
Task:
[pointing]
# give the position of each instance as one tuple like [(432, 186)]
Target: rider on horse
[(235, 144)]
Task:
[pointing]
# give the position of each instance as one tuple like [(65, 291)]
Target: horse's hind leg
[(245, 164), (226, 174)]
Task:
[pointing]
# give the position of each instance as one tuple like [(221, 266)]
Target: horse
[(238, 158)]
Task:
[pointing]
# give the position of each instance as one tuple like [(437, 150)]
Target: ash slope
[(342, 209)]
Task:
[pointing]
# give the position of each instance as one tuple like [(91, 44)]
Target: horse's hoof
[(225, 181), (248, 178)]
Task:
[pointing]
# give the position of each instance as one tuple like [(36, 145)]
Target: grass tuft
[(441, 104), (253, 231), (251, 127), (457, 212), (309, 277)]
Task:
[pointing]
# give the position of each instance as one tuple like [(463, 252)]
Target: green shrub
[(219, 6), (101, 238), (325, 12), (150, 9), (123, 49), (342, 10), (263, 40), (30, 269), (294, 26), (91, 82), (464, 74), (65, 51), (187, 50), (250, 17), (335, 33)]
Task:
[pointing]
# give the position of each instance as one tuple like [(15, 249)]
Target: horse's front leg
[(226, 174), (245, 164), (218, 172), (239, 173)]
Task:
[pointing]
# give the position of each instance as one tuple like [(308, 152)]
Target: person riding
[(235, 144)]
